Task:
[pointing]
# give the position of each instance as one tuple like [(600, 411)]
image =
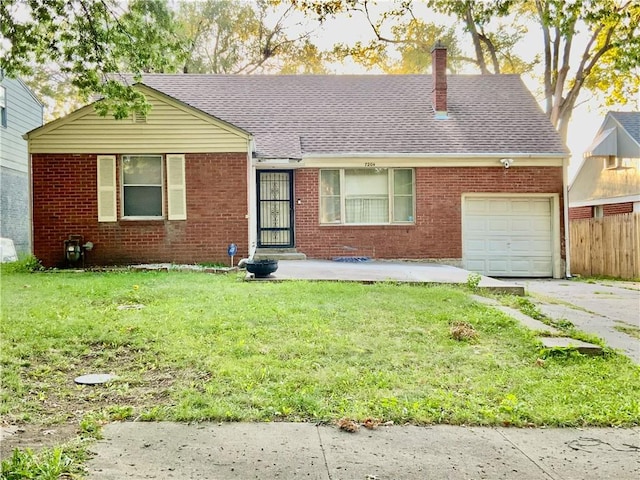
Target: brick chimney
[(439, 78)]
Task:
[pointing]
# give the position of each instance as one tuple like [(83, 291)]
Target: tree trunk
[(468, 18)]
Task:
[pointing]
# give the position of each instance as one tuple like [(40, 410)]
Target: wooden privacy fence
[(608, 246)]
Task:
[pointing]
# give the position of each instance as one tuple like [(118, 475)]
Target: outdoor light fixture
[(506, 162)]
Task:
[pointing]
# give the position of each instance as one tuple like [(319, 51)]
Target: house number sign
[(369, 164)]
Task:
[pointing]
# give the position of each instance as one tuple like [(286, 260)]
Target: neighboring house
[(608, 180), (20, 112), (459, 169)]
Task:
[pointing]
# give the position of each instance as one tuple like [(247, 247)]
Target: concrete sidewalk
[(301, 450)]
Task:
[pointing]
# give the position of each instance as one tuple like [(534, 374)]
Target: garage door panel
[(498, 265), (498, 225), (497, 207), (541, 224), (508, 236), (476, 206), (477, 224), (521, 225), (497, 246)]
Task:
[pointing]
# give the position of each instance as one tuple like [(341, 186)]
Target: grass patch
[(629, 330), (207, 347), (565, 326), (48, 464)]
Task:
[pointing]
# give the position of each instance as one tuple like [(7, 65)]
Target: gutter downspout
[(565, 202)]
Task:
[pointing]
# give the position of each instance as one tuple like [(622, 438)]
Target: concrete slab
[(208, 451), (267, 451), (565, 342), (576, 453), (600, 308), (436, 452), (619, 301), (526, 320), (603, 327), (382, 271)]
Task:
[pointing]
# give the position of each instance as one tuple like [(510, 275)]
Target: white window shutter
[(107, 188), (176, 188)]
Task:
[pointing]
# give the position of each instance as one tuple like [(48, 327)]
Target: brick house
[(608, 180), (459, 169)]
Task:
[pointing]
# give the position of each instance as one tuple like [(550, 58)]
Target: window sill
[(141, 221), (369, 225)]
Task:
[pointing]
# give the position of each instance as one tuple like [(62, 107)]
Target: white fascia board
[(434, 155), (413, 160), (606, 201)]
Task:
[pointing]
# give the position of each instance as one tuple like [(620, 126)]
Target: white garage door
[(507, 236)]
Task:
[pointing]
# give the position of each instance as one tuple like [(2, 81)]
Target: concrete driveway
[(381, 271), (603, 308)]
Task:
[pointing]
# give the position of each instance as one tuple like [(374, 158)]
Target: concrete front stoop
[(278, 254)]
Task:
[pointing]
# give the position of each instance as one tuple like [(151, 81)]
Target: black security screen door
[(275, 208)]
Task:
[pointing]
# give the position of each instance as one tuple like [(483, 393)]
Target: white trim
[(312, 155), (252, 206), (606, 201), (627, 132), (555, 222), (390, 194), (421, 161), (162, 215), (565, 213)]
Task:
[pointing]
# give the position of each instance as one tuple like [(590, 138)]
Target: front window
[(367, 196), (142, 186)]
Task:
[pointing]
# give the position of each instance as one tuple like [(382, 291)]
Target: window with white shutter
[(107, 211), (176, 188)]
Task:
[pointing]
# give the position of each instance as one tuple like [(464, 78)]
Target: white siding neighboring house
[(20, 112), (608, 180)]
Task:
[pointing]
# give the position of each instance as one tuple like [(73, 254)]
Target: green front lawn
[(191, 346)]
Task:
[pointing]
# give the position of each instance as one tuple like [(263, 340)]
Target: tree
[(402, 42), (493, 50), (90, 42), (608, 62), (232, 36)]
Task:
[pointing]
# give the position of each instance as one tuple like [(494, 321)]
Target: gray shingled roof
[(630, 121), (294, 115)]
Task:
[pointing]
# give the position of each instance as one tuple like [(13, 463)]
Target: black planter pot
[(262, 268)]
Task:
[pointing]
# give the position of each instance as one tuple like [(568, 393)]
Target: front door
[(275, 208)]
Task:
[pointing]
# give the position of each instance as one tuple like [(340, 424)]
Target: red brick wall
[(617, 208), (65, 203), (577, 213), (437, 232)]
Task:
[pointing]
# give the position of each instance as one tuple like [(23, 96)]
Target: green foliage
[(405, 48), (233, 36), (473, 281), (207, 347), (47, 465), (91, 42), (26, 264)]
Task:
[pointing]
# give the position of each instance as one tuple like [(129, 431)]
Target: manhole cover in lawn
[(94, 378)]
